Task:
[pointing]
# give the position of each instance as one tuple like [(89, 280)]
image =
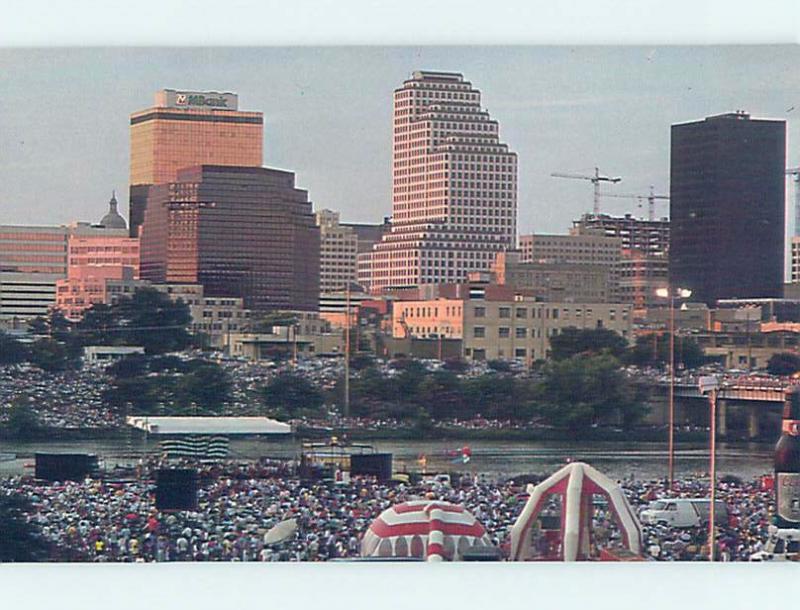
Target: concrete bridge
[(752, 403)]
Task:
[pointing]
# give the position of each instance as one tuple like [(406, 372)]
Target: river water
[(494, 458)]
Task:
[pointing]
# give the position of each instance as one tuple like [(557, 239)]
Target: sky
[(64, 116)]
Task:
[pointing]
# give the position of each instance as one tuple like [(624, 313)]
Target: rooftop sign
[(210, 100)]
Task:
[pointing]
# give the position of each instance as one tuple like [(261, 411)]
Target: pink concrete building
[(454, 187), (91, 262)]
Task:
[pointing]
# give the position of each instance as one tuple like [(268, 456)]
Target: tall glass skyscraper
[(244, 232), (727, 198)]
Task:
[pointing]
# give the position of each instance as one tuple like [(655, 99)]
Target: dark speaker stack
[(377, 465), (176, 489), (65, 466)]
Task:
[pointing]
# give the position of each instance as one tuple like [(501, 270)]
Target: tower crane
[(794, 172), (595, 180), (651, 200)]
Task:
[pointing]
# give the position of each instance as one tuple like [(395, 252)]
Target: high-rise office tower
[(454, 186), (189, 128), (727, 197), (241, 232), (337, 254)]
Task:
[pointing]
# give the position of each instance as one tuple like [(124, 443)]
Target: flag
[(204, 448)]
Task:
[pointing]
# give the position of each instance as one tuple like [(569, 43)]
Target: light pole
[(710, 385), (666, 293)]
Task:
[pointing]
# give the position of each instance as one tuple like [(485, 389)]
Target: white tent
[(209, 425), (575, 483)]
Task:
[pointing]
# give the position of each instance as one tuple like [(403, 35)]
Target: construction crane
[(794, 172), (595, 180), (651, 200)]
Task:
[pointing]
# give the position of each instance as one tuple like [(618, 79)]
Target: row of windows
[(479, 311), (479, 332)]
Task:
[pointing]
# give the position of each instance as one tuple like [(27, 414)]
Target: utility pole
[(671, 440), (347, 352)]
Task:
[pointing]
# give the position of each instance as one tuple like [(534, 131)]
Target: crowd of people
[(115, 520), (749, 507), (67, 399), (74, 399)]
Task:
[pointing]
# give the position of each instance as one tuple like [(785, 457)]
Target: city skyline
[(606, 106)]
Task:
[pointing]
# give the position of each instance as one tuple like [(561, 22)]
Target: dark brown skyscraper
[(239, 231), (727, 207)]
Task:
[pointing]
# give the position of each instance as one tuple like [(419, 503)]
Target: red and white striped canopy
[(427, 529)]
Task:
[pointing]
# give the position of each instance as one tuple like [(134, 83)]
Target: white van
[(782, 545), (683, 512)]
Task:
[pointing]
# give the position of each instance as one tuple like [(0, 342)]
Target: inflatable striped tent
[(426, 529), (576, 483)]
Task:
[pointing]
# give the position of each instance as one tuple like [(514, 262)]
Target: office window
[(504, 312), (479, 332), (503, 332)]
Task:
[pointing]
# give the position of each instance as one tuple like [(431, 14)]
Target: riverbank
[(528, 434), (46, 435)]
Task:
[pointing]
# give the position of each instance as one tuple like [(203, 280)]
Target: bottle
[(787, 464)]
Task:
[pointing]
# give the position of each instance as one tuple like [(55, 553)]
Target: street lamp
[(677, 293), (710, 385)]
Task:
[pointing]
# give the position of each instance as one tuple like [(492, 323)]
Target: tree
[(38, 325), (52, 356), (22, 422), (653, 350), (572, 341), (148, 318), (99, 326), (290, 395), (423, 422), (371, 393), (140, 395), (134, 365), (587, 390), (783, 363), (442, 394), (497, 397), (207, 386), (159, 364), (361, 361), (412, 374), (19, 541), (12, 351)]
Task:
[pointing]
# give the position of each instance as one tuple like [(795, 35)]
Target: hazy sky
[(327, 116)]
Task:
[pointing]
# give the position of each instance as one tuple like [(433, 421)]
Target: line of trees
[(149, 318), (575, 393)]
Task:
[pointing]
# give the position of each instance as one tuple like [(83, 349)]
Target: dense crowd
[(68, 399), (106, 520), (74, 398), (749, 515)]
